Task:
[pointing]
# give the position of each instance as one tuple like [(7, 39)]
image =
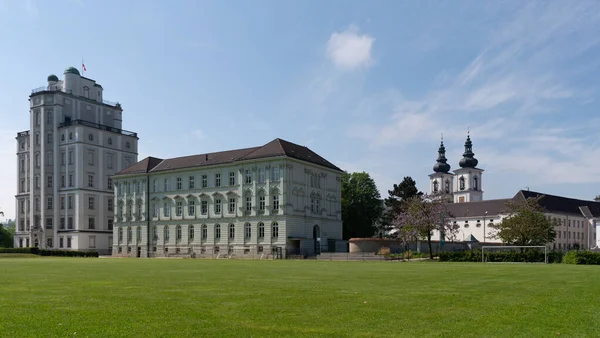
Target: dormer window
[(86, 92)]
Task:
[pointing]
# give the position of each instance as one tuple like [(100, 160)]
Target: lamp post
[(484, 216)]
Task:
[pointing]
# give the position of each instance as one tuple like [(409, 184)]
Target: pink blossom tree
[(422, 216)]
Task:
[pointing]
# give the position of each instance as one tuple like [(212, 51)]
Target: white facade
[(246, 209), (65, 162), (467, 186)]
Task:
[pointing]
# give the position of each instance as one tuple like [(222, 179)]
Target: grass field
[(60, 297)]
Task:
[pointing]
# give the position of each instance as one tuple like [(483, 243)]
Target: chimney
[(206, 157)]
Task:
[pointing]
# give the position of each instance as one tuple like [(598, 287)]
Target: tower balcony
[(97, 126)]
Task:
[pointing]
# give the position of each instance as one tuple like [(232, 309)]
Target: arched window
[(217, 231), (475, 183), (461, 182), (435, 186), (261, 230), (275, 230), (247, 230), (120, 234), (231, 231), (178, 232), (447, 186), (191, 232), (166, 233), (37, 118), (138, 234), (204, 231), (129, 234)]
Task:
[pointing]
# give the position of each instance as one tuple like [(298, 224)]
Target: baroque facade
[(578, 221), (274, 200), (65, 162)]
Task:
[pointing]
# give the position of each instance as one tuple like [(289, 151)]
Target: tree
[(361, 205), (525, 224), (6, 234), (422, 216), (396, 201)]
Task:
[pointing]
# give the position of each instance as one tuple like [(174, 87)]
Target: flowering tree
[(422, 216)]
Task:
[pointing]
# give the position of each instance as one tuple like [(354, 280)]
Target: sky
[(369, 85)]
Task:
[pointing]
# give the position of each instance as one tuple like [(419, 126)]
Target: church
[(578, 220)]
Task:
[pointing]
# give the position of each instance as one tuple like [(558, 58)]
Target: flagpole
[(82, 71)]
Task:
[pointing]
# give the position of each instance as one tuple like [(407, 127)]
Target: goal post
[(524, 251)]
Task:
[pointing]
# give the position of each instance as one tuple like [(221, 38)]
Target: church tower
[(441, 181), (468, 177)]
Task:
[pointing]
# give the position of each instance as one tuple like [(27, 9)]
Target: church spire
[(468, 161), (441, 166)]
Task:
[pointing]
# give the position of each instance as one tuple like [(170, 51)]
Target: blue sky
[(368, 85)]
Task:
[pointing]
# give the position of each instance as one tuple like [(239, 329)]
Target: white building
[(280, 198), (579, 220), (65, 162)]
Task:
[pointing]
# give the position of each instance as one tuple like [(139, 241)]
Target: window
[(231, 231), (261, 175), (48, 223), (37, 204), (217, 231), (22, 206), (231, 205), (109, 183), (275, 230), (49, 138), (179, 183), (261, 202), (191, 184), (166, 184), (248, 203), (37, 182), (191, 232), (154, 210), (71, 157), (475, 183), (127, 145), (49, 159), (62, 202), (110, 205), (109, 141), (37, 139), (166, 233), (447, 187), (90, 157), (91, 137), (22, 165), (50, 205), (49, 181), (462, 183), (37, 118), (312, 205), (435, 186), (109, 161), (70, 180), (91, 202), (91, 181), (204, 207), (70, 135), (166, 209), (275, 174), (68, 242), (22, 187), (138, 234), (217, 206), (155, 233), (70, 223), (275, 202), (178, 208), (247, 231), (61, 242), (232, 178), (49, 117), (191, 208), (178, 232), (248, 176), (261, 230), (63, 158), (91, 223), (37, 160), (204, 231), (204, 181), (217, 180), (120, 234), (62, 223)]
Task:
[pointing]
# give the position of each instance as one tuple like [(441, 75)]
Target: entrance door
[(317, 239), (139, 252)]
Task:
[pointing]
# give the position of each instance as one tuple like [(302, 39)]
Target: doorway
[(317, 239)]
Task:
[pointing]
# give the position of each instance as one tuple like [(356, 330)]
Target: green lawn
[(58, 297)]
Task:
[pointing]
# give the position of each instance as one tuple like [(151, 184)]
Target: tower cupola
[(441, 165), (468, 161)]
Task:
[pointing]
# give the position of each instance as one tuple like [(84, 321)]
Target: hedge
[(582, 257), (59, 253), (533, 256)]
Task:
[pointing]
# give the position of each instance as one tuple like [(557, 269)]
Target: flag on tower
[(83, 65)]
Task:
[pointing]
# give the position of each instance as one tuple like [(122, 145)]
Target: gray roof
[(478, 209)]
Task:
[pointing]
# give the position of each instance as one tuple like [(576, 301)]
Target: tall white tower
[(441, 181), (65, 165), (468, 177)]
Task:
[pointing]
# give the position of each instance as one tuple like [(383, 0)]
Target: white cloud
[(350, 49), (198, 134)]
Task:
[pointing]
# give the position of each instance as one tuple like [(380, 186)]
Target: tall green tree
[(397, 199), (361, 205), (525, 224), (7, 232)]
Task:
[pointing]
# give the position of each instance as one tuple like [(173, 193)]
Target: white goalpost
[(492, 248)]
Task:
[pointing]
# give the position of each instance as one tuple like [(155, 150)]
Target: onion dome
[(441, 166), (52, 78), (468, 161), (72, 70)]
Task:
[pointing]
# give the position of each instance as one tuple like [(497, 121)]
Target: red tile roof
[(275, 148)]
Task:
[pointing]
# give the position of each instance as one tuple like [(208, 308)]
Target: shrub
[(33, 250), (59, 253), (500, 256), (582, 257)]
